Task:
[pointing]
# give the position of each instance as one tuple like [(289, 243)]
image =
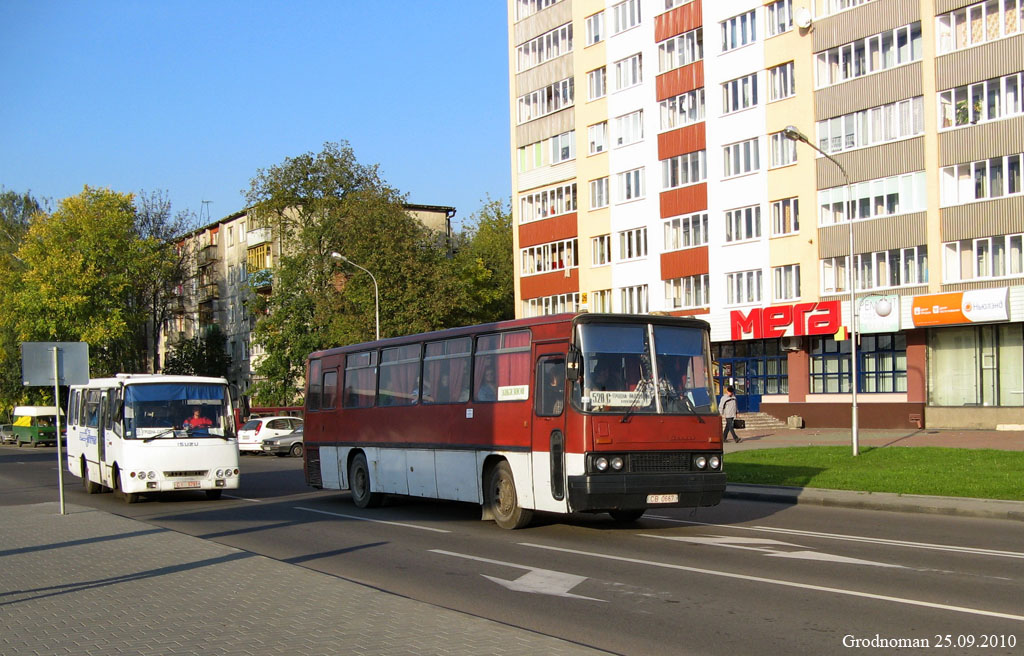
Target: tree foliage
[(203, 355)]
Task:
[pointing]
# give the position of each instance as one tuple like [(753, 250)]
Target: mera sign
[(822, 318)]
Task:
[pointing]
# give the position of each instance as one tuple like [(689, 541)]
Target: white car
[(252, 434)]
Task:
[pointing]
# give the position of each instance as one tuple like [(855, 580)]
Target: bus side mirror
[(572, 365)]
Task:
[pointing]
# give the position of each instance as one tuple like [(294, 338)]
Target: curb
[(958, 506)]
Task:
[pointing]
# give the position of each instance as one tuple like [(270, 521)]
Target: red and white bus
[(567, 413)]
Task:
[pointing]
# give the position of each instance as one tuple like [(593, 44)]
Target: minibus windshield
[(157, 410)]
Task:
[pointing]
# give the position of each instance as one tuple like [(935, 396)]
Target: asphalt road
[(743, 578)]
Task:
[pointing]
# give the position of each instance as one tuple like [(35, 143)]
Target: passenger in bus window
[(487, 391), (553, 393)]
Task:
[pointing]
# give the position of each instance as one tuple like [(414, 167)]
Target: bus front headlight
[(700, 462), (601, 464)]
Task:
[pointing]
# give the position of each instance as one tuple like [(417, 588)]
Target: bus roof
[(36, 411), (583, 317), (134, 379)]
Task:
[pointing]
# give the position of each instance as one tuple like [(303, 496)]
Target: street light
[(795, 135), (376, 291)]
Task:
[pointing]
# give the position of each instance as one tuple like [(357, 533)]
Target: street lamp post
[(795, 135), (376, 291)]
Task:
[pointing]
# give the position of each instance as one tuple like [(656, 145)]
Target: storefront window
[(883, 363), (830, 366), (976, 366)]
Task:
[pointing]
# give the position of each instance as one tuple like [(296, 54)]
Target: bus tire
[(627, 515), (501, 499), (88, 485), (128, 497), (213, 494), (359, 484)]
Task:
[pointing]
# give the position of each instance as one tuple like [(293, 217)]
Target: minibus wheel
[(129, 497), (88, 485), (501, 498)]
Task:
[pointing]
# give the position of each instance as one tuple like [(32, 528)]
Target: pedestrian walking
[(728, 410)]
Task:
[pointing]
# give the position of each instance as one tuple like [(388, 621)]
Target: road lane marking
[(231, 496), (536, 580), (375, 521), (770, 548), (788, 584), (852, 538)]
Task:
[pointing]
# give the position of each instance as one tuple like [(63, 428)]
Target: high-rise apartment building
[(652, 170)]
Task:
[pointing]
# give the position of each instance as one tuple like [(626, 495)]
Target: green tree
[(484, 248), (203, 355)]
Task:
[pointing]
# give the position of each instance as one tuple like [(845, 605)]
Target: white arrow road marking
[(536, 580), (747, 544)]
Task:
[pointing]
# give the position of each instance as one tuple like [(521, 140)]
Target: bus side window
[(329, 390), (550, 394), (314, 390)]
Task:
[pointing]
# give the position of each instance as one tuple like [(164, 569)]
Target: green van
[(36, 424)]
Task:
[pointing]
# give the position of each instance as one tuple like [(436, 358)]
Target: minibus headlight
[(601, 464), (617, 463), (714, 462), (152, 475), (700, 462), (220, 473)]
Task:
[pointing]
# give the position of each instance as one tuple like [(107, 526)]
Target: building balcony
[(176, 304), (261, 280), (257, 236), (209, 292), (207, 255)]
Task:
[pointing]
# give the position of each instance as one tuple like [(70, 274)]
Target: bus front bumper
[(598, 493)]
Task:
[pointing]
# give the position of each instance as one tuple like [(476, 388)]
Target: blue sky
[(192, 98)]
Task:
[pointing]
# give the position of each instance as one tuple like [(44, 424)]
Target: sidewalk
[(965, 439), (94, 583)]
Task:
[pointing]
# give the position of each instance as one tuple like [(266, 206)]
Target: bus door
[(101, 431), (548, 433)]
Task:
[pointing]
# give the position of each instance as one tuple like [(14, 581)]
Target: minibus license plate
[(662, 498), (186, 484)]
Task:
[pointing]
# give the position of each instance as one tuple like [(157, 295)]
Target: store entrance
[(753, 367)]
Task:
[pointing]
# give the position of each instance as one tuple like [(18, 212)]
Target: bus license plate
[(186, 484), (662, 498)]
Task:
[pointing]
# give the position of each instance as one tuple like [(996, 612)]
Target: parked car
[(254, 431), (7, 434), (285, 445)]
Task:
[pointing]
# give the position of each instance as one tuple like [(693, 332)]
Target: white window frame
[(545, 101), (601, 250), (996, 99), (895, 121), (597, 138), (684, 109), (633, 300), (778, 17), (743, 287), (550, 45), (689, 231), (629, 72), (987, 258), (786, 282), (625, 16), (544, 203), (629, 128), (630, 185), (684, 170), (781, 84), (878, 52), (899, 194), (739, 94), (783, 150), (681, 50), (599, 193), (948, 32), (632, 244), (739, 31), (687, 293), (555, 304), (597, 83), (545, 258), (743, 224), (601, 300), (595, 28), (741, 158), (563, 147), (785, 212)]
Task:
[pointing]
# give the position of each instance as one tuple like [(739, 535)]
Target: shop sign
[(822, 318), (878, 313), (974, 306)]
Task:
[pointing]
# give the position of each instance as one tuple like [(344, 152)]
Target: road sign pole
[(60, 451)]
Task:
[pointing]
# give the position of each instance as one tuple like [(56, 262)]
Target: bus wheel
[(359, 483), (129, 497), (500, 497), (626, 515), (213, 494), (90, 487)]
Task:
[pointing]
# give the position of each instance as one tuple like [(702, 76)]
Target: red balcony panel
[(680, 80), (687, 139), (685, 263), (547, 230), (678, 21), (549, 284), (684, 201)]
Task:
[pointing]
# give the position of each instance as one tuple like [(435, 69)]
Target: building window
[(783, 150), (556, 304), (900, 194), (982, 180), (531, 157), (836, 6), (740, 93), (785, 216), (779, 17), (563, 147), (978, 23), (741, 158), (739, 30), (601, 300), (672, 4), (986, 258), (684, 109), (898, 120), (629, 128), (955, 378), (625, 15), (683, 170), (882, 363), (988, 100), (526, 8), (596, 83), (597, 137), (681, 50), (899, 267), (601, 250), (595, 28), (545, 101), (830, 366), (879, 52), (743, 287), (743, 224), (633, 244), (780, 82), (633, 300), (598, 193), (630, 185), (628, 72), (786, 282), (556, 256), (686, 293), (545, 47), (547, 203), (259, 258), (686, 232)]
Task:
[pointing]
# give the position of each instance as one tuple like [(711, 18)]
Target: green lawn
[(979, 473)]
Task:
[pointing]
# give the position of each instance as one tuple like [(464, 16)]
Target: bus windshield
[(644, 369), (159, 410)]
